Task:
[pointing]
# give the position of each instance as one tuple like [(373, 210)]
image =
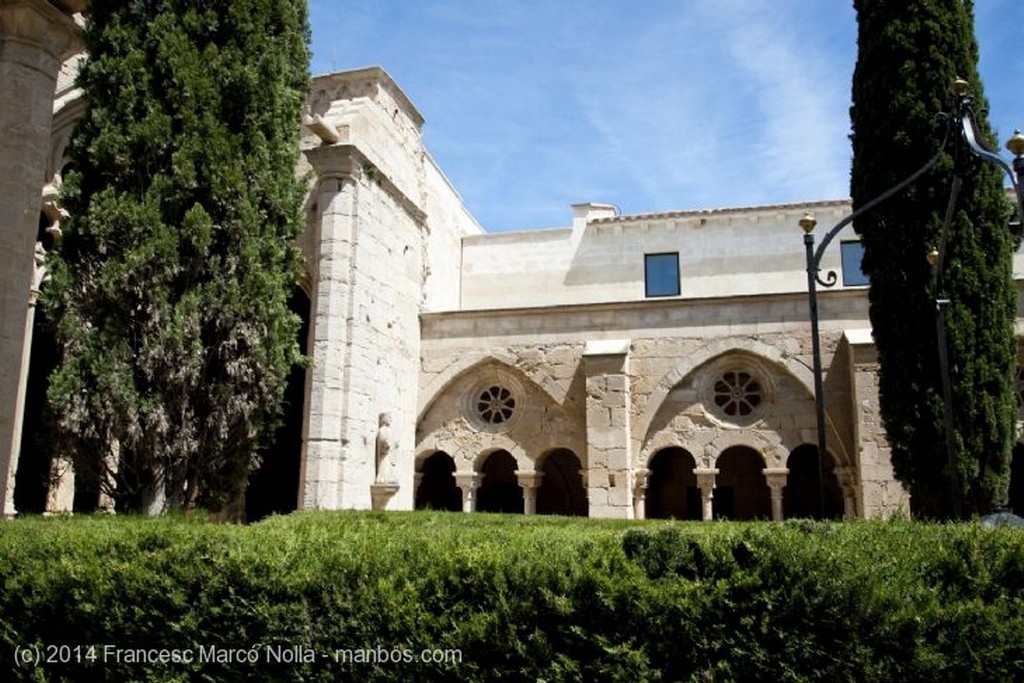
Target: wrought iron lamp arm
[(969, 124)]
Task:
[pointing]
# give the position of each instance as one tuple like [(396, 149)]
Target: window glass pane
[(661, 274), (853, 253)]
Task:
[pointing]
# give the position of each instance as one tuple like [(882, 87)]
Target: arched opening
[(801, 497), (561, 489), (741, 490), (437, 489), (1016, 498), (499, 490), (274, 487), (672, 486)]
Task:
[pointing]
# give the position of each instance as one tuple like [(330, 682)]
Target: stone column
[(640, 478), (35, 37), (776, 477), (706, 484), (608, 428), (323, 448), (468, 482), (529, 481)]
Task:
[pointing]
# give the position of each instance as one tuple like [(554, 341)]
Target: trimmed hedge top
[(448, 596)]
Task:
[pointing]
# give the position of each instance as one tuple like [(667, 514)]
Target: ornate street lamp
[(961, 130)]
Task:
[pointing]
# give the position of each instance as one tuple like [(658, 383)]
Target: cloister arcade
[(478, 452)]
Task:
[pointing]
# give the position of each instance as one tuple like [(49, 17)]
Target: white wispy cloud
[(726, 103), (532, 105)]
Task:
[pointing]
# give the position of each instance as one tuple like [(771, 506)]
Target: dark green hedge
[(520, 598)]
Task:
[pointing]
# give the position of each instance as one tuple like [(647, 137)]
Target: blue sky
[(651, 105)]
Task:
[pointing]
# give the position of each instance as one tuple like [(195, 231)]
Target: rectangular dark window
[(853, 274), (661, 274)]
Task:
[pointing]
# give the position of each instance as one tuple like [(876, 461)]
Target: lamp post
[(961, 131), (941, 305), (807, 224)]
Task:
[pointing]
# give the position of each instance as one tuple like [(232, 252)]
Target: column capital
[(640, 478), (706, 477), (469, 482), (468, 479), (41, 25), (529, 479), (776, 477), (336, 161)]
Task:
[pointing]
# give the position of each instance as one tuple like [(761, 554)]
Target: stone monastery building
[(623, 366)]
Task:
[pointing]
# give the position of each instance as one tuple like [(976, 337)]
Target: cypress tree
[(172, 280), (909, 53)]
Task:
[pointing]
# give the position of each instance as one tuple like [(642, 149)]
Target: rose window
[(495, 405), (737, 394)]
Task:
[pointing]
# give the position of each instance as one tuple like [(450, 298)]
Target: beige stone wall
[(448, 223), (723, 252), (618, 410)]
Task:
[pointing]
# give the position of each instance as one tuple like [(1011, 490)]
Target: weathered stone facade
[(532, 371)]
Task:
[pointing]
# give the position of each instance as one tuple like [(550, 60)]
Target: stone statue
[(384, 466)]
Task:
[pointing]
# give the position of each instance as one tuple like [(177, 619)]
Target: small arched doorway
[(741, 490), (499, 490), (802, 494), (561, 489), (672, 486), (437, 489)]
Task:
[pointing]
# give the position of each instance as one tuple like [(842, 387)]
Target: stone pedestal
[(381, 494), (35, 37)]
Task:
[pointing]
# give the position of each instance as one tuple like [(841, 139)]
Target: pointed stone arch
[(714, 349), (475, 362), (783, 369)]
